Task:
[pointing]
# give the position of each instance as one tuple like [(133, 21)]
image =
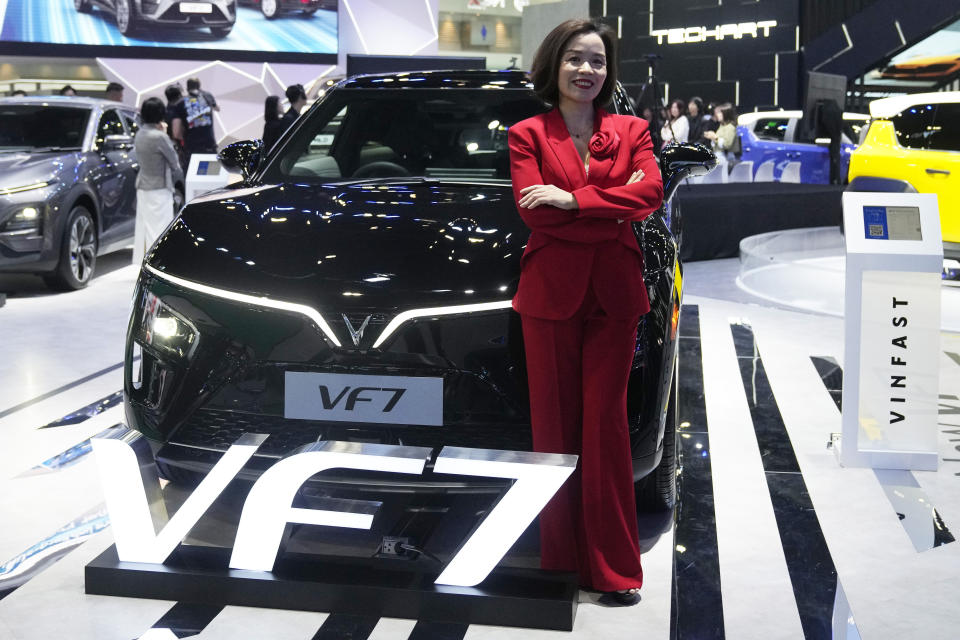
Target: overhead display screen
[(930, 62), (239, 30)]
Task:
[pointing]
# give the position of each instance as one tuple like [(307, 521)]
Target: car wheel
[(83, 6), (78, 253), (309, 12), (658, 490), (269, 9), (221, 32), (126, 20)]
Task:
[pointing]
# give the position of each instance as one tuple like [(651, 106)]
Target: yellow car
[(913, 145)]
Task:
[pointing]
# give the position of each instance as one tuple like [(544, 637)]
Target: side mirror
[(117, 143), (681, 161), (242, 156)]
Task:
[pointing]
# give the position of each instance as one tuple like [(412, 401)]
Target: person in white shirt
[(677, 127)]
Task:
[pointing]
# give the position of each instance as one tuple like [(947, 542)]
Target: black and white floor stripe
[(811, 568), (697, 603), (699, 598)]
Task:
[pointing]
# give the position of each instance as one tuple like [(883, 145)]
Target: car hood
[(374, 245), (22, 168)]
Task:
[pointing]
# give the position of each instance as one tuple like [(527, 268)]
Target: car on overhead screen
[(371, 256), (913, 145), (67, 185), (923, 68), (775, 138), (134, 16), (274, 8)]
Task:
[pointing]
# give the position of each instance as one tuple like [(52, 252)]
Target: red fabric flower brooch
[(604, 144)]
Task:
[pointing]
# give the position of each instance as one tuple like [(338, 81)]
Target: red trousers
[(578, 370)]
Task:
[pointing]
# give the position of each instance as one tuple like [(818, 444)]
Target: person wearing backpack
[(725, 141), (195, 113)]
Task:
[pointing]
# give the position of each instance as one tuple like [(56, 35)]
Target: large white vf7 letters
[(268, 507)]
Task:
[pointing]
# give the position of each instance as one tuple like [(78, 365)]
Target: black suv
[(374, 249), (134, 15), (67, 185)]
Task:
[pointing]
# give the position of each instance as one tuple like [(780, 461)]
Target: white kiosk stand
[(205, 173), (892, 331)]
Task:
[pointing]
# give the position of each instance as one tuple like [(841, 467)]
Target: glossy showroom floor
[(774, 539)]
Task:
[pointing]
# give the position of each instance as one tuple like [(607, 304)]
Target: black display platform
[(716, 217), (508, 597)]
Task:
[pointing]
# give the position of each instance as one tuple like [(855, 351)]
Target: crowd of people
[(712, 125)]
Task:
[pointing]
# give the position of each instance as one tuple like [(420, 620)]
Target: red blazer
[(567, 250)]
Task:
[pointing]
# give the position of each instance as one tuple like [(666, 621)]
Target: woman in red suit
[(579, 175)]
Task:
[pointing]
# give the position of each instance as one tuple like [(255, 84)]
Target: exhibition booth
[(303, 405)]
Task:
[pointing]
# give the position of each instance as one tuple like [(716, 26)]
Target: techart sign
[(143, 536), (719, 32)]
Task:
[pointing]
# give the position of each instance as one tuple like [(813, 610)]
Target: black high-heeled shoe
[(625, 598)]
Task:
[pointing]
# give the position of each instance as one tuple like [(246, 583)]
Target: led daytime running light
[(261, 301), (438, 311), (29, 187), (315, 316)]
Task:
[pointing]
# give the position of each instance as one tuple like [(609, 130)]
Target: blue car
[(769, 140)]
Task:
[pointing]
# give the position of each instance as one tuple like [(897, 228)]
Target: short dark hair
[(697, 100), (152, 111), (193, 84), (296, 92), (114, 86), (729, 113), (546, 61), (18, 92), (270, 108), (66, 88), (173, 93)]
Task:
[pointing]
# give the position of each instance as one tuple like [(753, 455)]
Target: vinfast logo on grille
[(356, 334), (359, 398)]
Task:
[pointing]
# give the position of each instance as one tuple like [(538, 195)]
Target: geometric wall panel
[(379, 27)]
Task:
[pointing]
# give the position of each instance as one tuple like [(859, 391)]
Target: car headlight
[(163, 329), (25, 219), (6, 191)]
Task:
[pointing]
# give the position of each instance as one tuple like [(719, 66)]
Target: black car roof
[(468, 79)]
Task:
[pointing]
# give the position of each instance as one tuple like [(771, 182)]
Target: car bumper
[(29, 250), (169, 13), (23, 253), (194, 402)]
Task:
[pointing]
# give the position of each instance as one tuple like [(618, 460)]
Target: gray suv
[(67, 185), (133, 15)]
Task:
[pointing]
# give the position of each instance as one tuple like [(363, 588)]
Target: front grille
[(217, 430)]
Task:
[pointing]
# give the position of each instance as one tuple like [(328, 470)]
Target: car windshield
[(359, 134), (34, 126)]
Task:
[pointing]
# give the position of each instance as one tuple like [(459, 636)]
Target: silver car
[(135, 15), (67, 185)]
